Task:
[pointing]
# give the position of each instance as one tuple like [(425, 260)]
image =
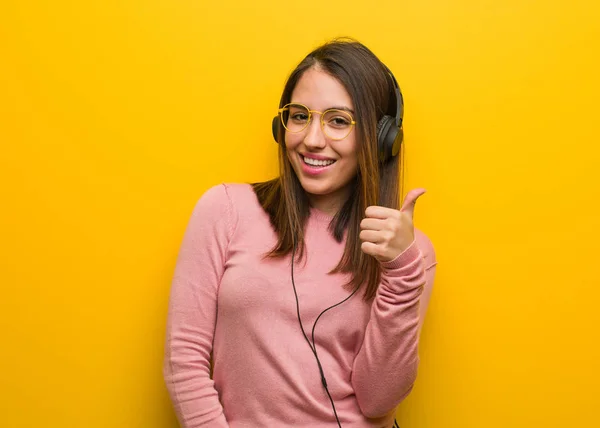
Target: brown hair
[(367, 81)]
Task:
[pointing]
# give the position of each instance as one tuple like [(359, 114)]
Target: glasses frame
[(310, 115)]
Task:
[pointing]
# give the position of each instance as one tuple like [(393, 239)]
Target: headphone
[(389, 129)]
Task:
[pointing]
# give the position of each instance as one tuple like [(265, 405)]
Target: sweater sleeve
[(385, 368), (193, 311)]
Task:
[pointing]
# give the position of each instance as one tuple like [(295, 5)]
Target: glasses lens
[(295, 117), (337, 124)]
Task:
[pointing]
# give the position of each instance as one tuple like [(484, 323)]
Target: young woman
[(298, 302)]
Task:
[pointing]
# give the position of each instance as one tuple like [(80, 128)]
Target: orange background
[(115, 116)]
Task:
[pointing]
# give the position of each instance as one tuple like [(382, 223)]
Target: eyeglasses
[(336, 124)]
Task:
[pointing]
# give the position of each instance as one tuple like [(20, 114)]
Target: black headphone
[(389, 129)]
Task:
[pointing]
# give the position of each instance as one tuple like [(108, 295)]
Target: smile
[(317, 162)]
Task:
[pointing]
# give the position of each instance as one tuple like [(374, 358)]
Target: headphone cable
[(312, 346), (323, 380)]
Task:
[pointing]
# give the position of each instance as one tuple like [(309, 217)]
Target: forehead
[(320, 90)]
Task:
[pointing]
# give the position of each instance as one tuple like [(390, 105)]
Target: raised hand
[(386, 232)]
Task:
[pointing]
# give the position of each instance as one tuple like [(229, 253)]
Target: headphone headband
[(399, 98)]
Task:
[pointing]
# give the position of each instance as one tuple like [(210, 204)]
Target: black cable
[(313, 346)]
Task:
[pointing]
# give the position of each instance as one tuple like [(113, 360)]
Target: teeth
[(316, 162)]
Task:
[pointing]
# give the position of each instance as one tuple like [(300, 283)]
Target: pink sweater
[(229, 301)]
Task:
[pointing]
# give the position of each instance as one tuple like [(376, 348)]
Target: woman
[(298, 302)]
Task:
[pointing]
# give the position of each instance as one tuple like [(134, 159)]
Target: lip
[(314, 170)]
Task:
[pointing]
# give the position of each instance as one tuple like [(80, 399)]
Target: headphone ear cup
[(386, 135), (275, 128), (398, 142)]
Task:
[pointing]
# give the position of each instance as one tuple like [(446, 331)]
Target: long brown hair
[(283, 198)]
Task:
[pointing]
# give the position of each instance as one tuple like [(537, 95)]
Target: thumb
[(408, 206)]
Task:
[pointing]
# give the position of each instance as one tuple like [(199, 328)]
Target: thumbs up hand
[(387, 232)]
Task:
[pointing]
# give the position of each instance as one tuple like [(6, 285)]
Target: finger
[(374, 236), (410, 200), (380, 212), (370, 249), (372, 224)]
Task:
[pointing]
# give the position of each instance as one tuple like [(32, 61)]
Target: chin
[(322, 188), (314, 186), (318, 190)]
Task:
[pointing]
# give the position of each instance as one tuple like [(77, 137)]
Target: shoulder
[(233, 200), (240, 193), (215, 200), (426, 247), (213, 208), (227, 194)]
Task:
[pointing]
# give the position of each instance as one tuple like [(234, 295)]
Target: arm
[(193, 311), (430, 265), (385, 368)]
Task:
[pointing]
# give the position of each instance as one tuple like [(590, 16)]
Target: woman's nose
[(314, 134)]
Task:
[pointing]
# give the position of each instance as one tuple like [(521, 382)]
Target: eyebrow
[(344, 108)]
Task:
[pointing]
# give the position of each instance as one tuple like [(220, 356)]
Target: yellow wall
[(116, 115)]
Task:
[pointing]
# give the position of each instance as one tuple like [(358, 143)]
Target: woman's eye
[(339, 122), (299, 117)]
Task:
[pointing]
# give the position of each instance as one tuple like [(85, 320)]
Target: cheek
[(291, 144), (348, 150), (291, 141)]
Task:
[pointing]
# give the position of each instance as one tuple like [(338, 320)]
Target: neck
[(329, 204), (326, 207)]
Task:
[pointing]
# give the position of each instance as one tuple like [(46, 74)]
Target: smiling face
[(325, 167)]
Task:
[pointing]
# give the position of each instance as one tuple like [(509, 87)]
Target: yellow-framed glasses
[(335, 123)]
